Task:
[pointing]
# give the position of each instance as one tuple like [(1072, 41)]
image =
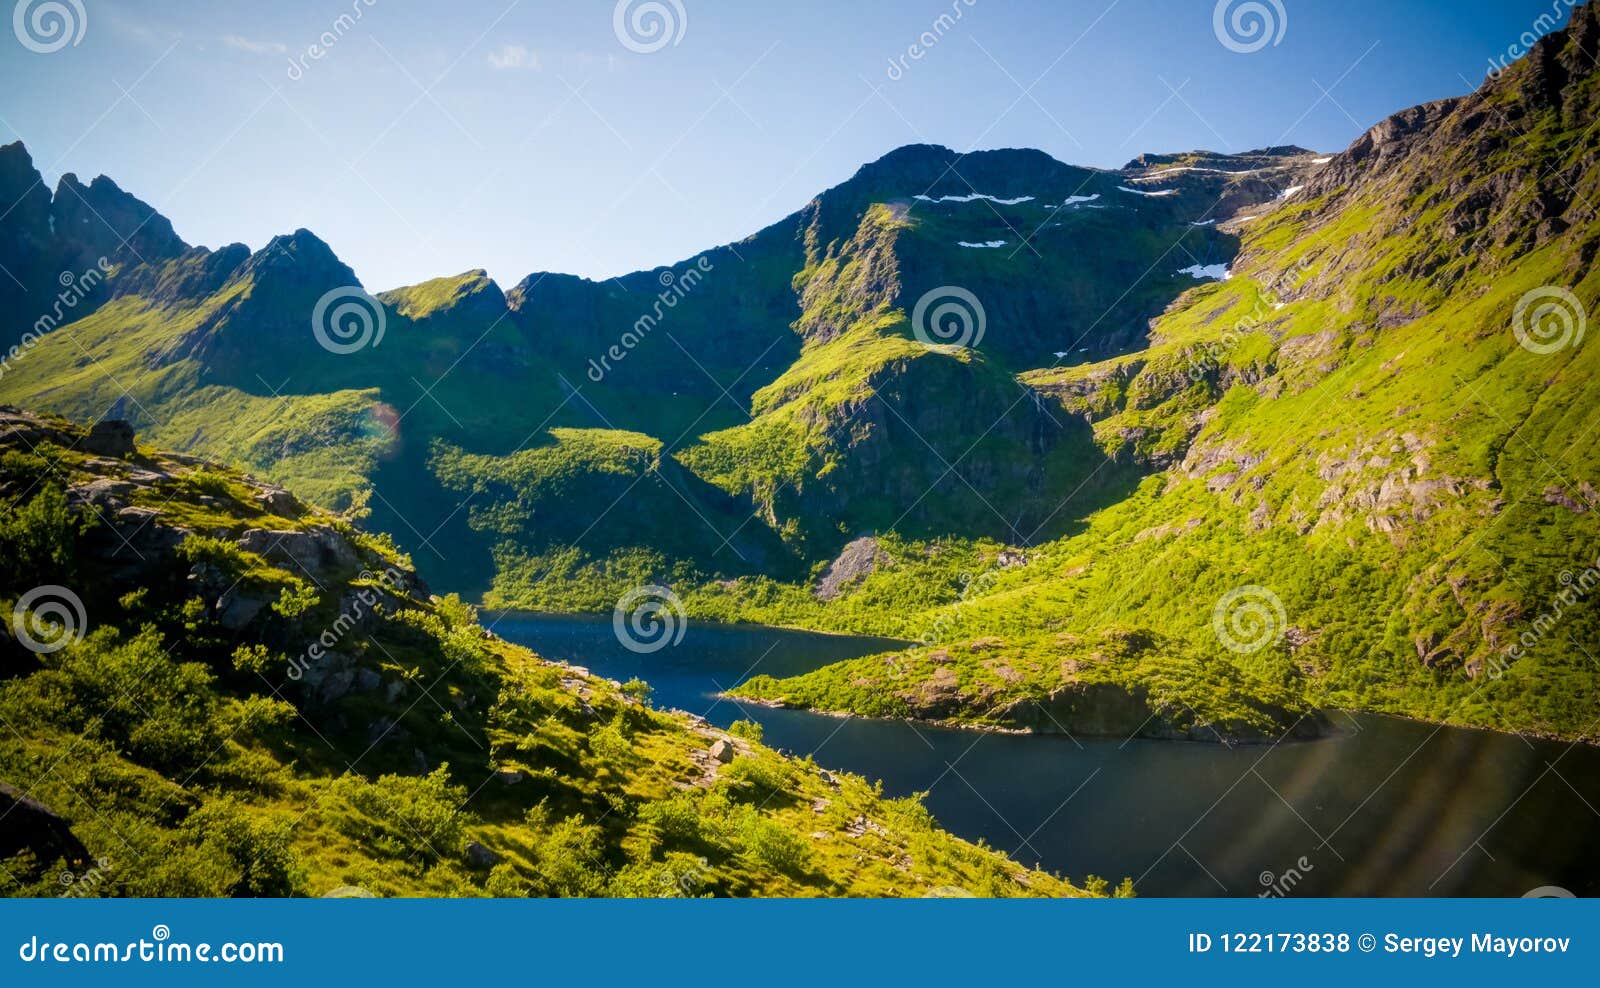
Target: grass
[(191, 763)]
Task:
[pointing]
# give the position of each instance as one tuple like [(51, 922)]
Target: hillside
[(214, 689), (1374, 454), (775, 391)]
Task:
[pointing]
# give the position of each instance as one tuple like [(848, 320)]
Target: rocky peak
[(281, 286), (23, 188), (550, 288), (298, 260), (936, 172), (105, 221), (1473, 162)]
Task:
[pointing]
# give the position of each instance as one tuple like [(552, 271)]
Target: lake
[(1387, 808)]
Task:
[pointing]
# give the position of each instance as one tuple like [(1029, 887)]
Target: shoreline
[(599, 616)]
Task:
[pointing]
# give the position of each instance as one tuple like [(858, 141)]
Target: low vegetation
[(228, 714)]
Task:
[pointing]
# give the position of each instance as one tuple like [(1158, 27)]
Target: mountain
[(1375, 456), (774, 389), (1199, 446), (58, 248), (237, 694)]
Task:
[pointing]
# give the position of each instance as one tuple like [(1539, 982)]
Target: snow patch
[(1320, 161), (975, 197), (1291, 190), (1204, 223), (1140, 192), (1207, 272), (987, 243)]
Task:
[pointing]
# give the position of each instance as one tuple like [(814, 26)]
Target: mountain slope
[(1375, 444), (795, 403), (223, 691)]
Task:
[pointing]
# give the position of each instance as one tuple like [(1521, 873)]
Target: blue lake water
[(1388, 808)]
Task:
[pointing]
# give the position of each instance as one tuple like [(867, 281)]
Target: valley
[(1209, 447)]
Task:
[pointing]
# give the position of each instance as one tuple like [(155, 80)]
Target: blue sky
[(429, 139)]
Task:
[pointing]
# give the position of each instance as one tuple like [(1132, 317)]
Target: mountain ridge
[(1175, 369)]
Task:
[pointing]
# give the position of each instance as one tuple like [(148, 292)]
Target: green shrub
[(132, 693), (257, 851), (773, 844), (38, 540), (676, 819), (404, 816)]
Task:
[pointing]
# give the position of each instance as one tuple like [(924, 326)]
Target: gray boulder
[(110, 437)]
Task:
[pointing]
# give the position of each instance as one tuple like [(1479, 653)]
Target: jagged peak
[(1547, 77), (302, 247), (16, 154), (19, 178), (296, 264), (112, 222)]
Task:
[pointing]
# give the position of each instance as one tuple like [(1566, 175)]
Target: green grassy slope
[(1352, 425), (253, 697)]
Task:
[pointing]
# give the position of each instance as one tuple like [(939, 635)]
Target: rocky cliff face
[(63, 248)]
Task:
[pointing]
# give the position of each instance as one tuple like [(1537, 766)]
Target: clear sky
[(431, 138)]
